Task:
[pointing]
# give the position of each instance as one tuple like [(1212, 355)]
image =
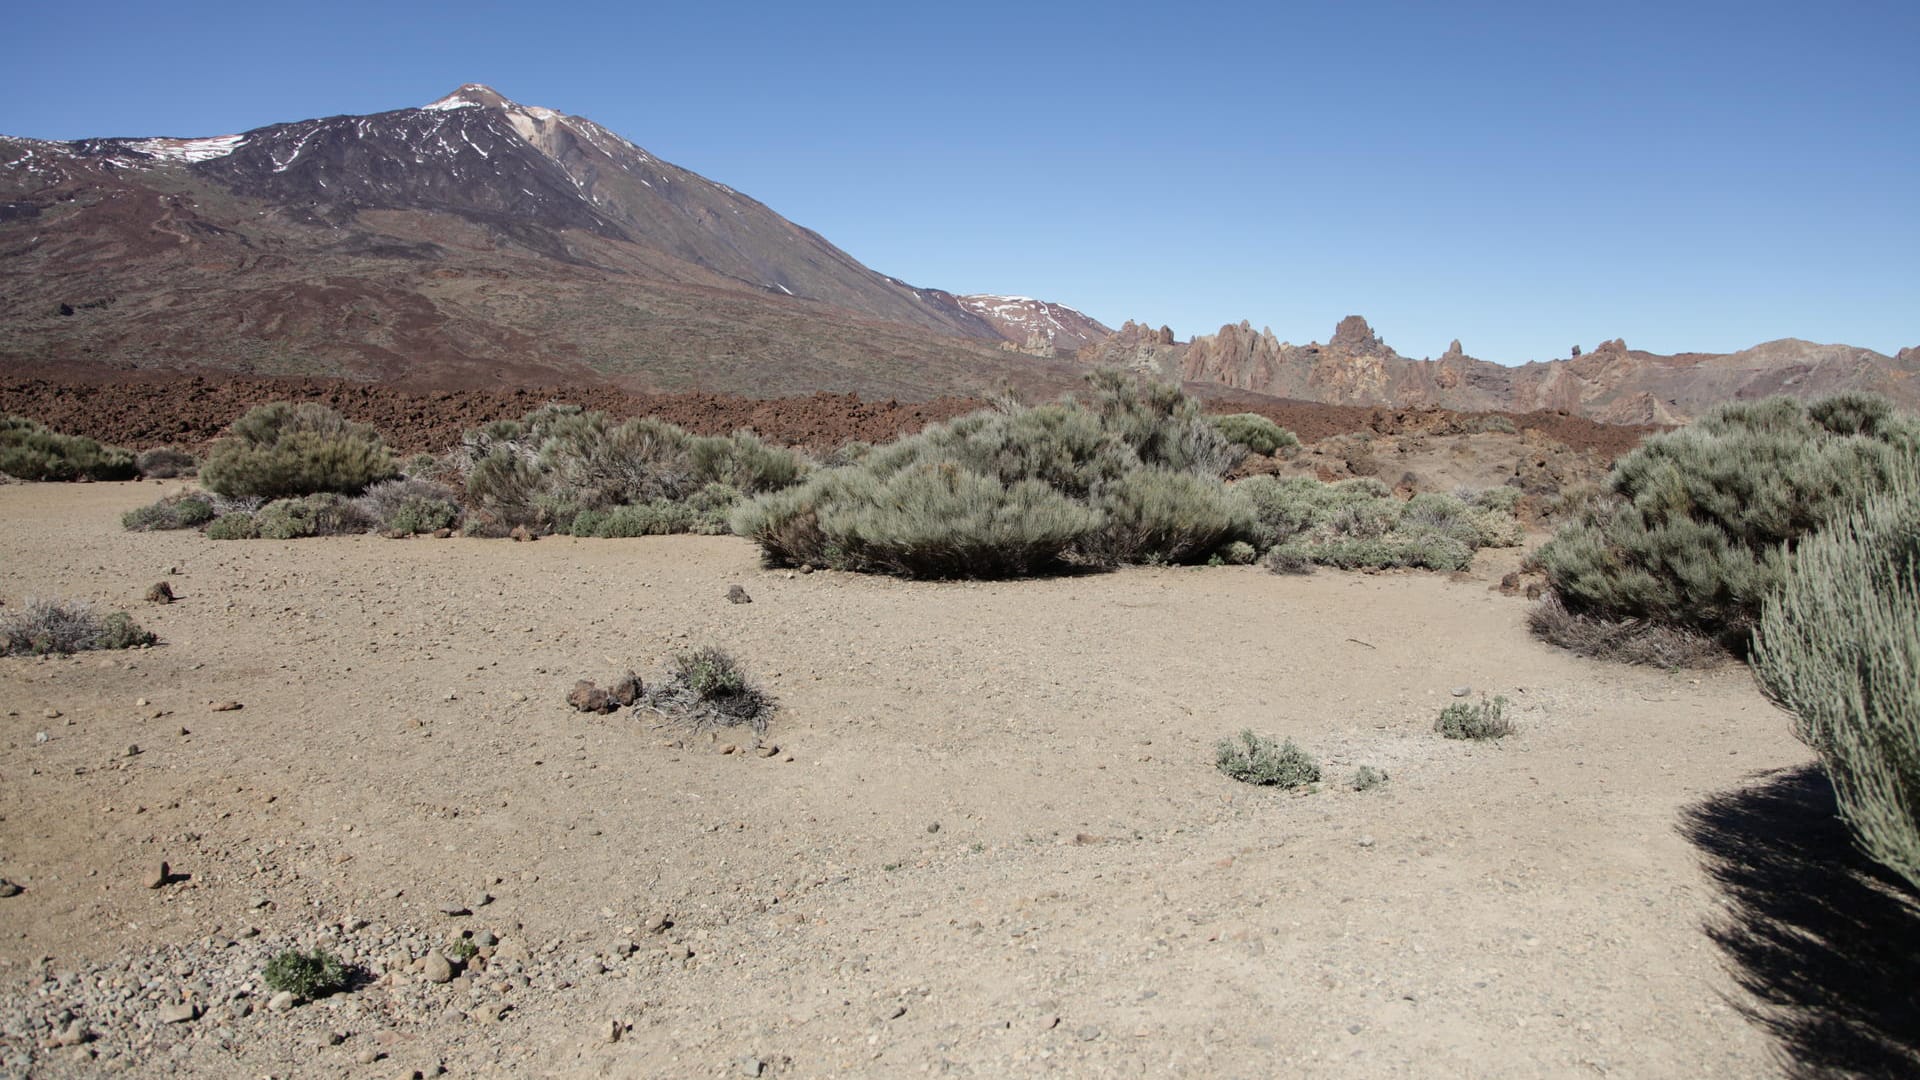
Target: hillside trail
[(989, 839)]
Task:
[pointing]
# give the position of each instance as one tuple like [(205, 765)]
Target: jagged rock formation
[(1136, 347), (1611, 383)]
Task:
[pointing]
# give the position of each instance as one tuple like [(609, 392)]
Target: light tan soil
[(1098, 900)]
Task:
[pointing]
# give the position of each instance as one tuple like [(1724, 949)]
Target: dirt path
[(1096, 900)]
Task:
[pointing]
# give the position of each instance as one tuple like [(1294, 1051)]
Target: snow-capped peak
[(474, 96)]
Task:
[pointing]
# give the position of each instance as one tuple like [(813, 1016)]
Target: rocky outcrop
[(1612, 383)]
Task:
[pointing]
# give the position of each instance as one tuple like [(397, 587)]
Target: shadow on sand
[(1826, 941)]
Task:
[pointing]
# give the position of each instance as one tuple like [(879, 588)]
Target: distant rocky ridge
[(1612, 383)]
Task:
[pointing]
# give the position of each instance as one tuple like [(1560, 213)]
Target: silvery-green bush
[(1839, 646)]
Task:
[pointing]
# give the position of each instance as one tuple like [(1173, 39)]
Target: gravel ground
[(986, 837)]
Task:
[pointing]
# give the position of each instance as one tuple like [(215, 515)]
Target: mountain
[(471, 238), (1039, 327), (1612, 383)]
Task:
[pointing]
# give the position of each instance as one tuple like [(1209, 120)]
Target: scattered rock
[(281, 1001), (587, 697), (933, 826), (610, 1031), (8, 888), (767, 751), (157, 876), (896, 1012), (1088, 1032), (752, 1066), (368, 1056), (455, 910), (52, 714), (227, 706), (626, 690), (133, 749), (178, 1014), (438, 968), (161, 593), (521, 535), (1462, 691), (738, 595), (658, 924), (75, 1033)]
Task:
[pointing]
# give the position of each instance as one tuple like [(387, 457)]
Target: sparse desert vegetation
[(30, 451)]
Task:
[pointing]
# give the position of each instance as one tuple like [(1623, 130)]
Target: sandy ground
[(992, 841)]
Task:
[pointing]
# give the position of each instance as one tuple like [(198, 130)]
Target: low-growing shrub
[(1257, 759), (185, 510), (1366, 778), (234, 526), (1700, 522), (1839, 646), (1255, 432), (166, 462), (59, 627), (1289, 560), (410, 505), (1419, 551), (1475, 720), (562, 463), (308, 976), (281, 450), (707, 688), (1624, 641), (30, 451)]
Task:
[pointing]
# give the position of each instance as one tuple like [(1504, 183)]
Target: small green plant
[(1257, 759), (59, 627), (708, 689), (308, 976), (710, 673), (1475, 720), (1366, 778), (462, 950)]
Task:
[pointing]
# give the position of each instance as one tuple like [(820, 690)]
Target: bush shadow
[(1825, 941)]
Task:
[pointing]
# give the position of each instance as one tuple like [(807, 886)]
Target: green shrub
[(1239, 553), (1366, 778), (186, 510), (1160, 423), (308, 976), (1838, 645), (1700, 521), (462, 950), (1255, 432), (939, 521), (1287, 559), (45, 627), (1133, 476), (1475, 720), (1424, 551), (1256, 759), (166, 462), (29, 451), (1155, 515), (235, 526), (638, 477), (280, 450)]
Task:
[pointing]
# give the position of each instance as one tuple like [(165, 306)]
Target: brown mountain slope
[(472, 240), (1612, 384)]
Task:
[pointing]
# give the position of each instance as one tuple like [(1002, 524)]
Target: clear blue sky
[(1523, 177)]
